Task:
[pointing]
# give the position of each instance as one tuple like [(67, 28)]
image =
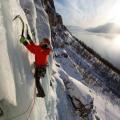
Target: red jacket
[(41, 55)]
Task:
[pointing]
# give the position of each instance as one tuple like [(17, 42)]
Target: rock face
[(54, 17), (59, 19)]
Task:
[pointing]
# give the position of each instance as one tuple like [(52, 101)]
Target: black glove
[(28, 36)]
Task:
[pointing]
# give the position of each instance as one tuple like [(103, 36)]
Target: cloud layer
[(88, 13), (105, 44)]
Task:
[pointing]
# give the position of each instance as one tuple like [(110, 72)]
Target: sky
[(88, 13)]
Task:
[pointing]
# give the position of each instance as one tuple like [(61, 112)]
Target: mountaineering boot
[(40, 92), (39, 88), (39, 73), (1, 112)]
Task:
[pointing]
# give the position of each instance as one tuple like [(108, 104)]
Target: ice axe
[(23, 25)]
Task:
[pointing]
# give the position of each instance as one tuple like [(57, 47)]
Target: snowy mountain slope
[(88, 69), (69, 87), (64, 107), (104, 109), (67, 64), (112, 77)]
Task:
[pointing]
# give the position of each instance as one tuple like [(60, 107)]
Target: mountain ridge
[(105, 28)]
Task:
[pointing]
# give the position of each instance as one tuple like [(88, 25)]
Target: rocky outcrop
[(59, 19), (84, 111), (54, 17)]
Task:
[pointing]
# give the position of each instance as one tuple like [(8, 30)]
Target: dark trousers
[(40, 72)]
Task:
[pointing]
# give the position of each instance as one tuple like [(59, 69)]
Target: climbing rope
[(30, 107)]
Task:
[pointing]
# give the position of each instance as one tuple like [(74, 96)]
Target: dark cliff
[(54, 17)]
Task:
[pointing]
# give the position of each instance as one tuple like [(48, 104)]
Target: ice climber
[(41, 53)]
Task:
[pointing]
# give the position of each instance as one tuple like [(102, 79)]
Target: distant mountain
[(76, 28), (106, 28)]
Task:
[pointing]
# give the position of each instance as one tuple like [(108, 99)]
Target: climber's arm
[(30, 46), (29, 38)]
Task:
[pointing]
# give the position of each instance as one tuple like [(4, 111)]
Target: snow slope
[(5, 64), (104, 108), (17, 88), (76, 72)]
